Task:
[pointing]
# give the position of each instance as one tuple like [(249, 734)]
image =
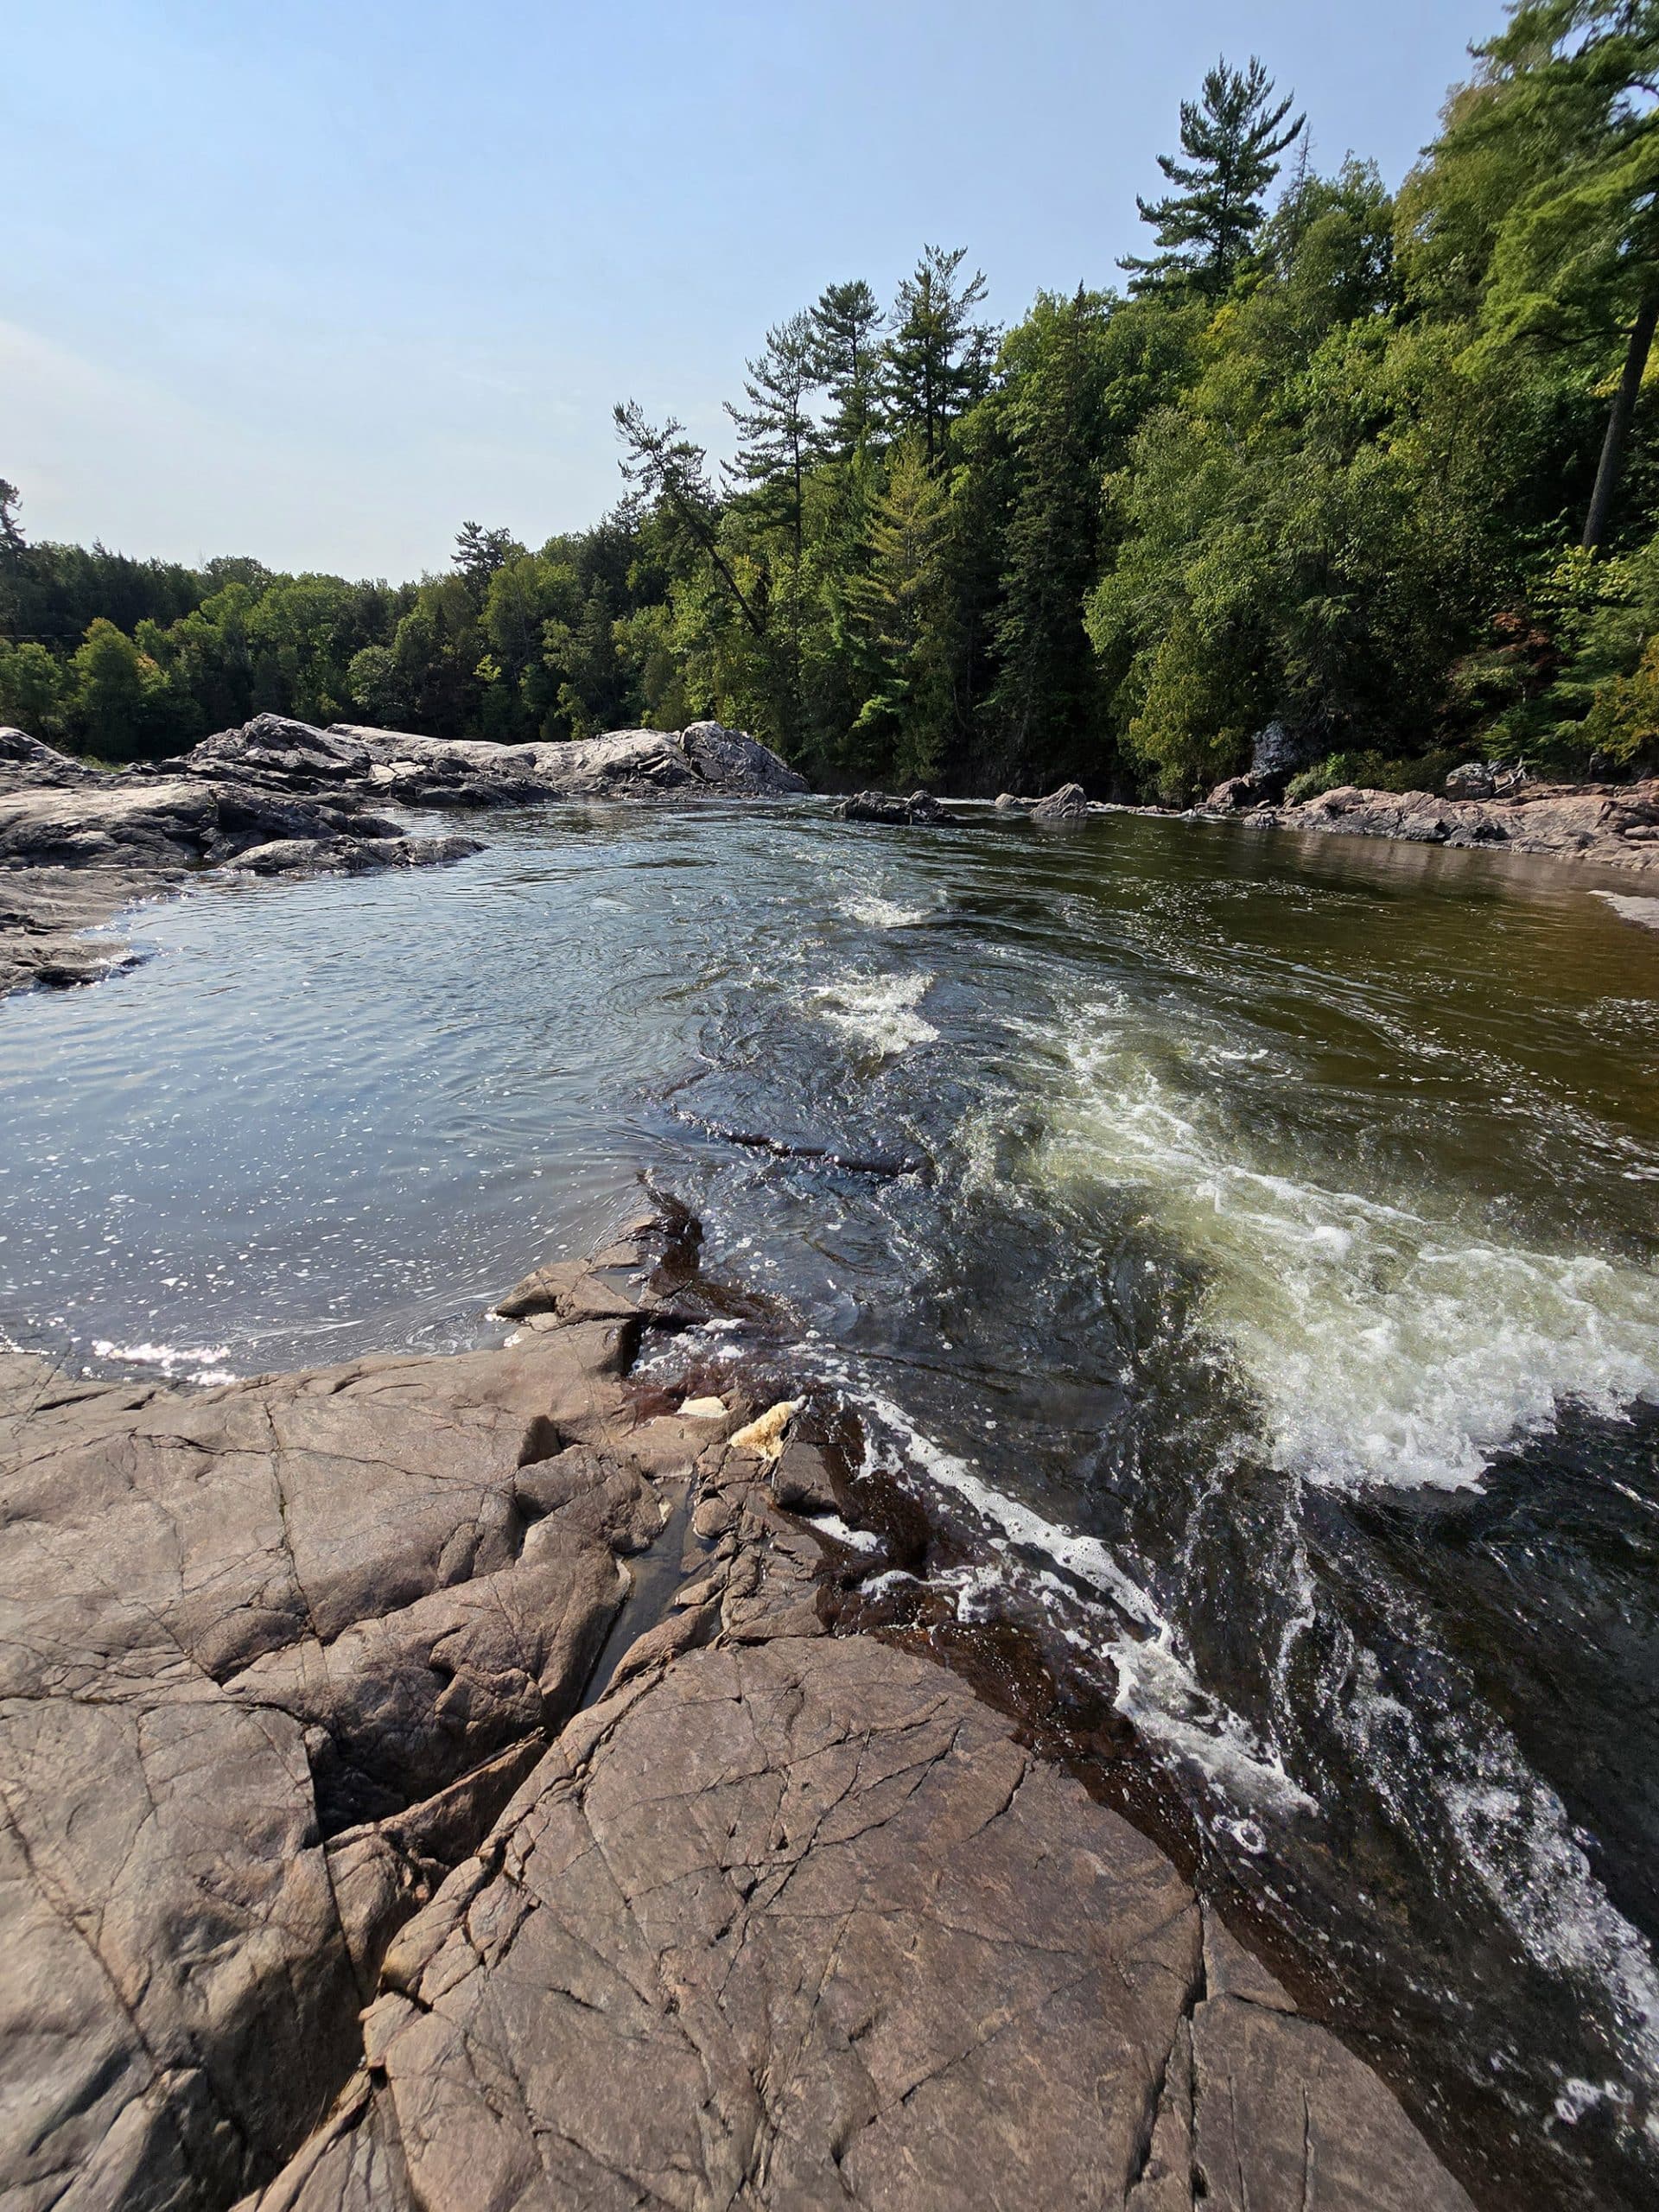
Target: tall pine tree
[(939, 359), (777, 437), (1232, 136), (846, 342)]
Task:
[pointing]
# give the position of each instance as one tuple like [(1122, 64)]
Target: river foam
[(1383, 1343), (879, 1010)]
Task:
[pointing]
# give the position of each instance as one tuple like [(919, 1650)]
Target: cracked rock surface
[(359, 1851)]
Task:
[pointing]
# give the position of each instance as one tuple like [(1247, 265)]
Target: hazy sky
[(318, 281)]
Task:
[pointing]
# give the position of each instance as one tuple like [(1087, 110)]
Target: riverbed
[(1252, 1242)]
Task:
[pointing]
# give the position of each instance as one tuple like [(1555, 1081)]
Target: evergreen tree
[(478, 553), (902, 609), (11, 534), (666, 469), (1232, 134), (1044, 702), (939, 359), (846, 326), (776, 435)]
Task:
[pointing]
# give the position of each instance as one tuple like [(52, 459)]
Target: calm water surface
[(1275, 1295)]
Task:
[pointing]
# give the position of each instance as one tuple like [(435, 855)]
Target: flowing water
[(1256, 1249)]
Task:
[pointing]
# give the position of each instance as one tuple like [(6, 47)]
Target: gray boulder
[(25, 762), (1069, 804), (1471, 779)]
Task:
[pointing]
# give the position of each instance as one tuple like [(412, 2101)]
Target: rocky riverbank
[(451, 1782), (1610, 825), (279, 797)]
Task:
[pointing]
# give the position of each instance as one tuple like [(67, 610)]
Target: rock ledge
[(361, 1849)]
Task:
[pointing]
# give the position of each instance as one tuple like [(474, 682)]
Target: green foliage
[(1325, 466), (34, 691), (1375, 772), (1232, 136)]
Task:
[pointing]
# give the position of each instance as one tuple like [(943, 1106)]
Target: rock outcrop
[(279, 797), (704, 760), (886, 806), (350, 1823), (1610, 825), (1069, 804)]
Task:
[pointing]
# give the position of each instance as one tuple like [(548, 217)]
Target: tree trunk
[(1618, 420)]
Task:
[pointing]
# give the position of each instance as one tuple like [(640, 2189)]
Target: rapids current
[(1255, 1245)]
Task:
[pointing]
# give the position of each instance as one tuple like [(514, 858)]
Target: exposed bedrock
[(316, 1877), (278, 797), (704, 760), (1614, 825)]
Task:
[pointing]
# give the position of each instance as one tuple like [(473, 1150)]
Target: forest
[(1374, 473)]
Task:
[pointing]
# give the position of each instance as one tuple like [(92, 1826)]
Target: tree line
[(1373, 471)]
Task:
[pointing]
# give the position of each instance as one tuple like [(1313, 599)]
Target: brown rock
[(782, 1920), (231, 1622)]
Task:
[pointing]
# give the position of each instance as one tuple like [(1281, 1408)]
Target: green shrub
[(1376, 772)]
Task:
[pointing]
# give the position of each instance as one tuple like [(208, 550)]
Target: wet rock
[(350, 855), (884, 806), (801, 1481), (1068, 803), (46, 912), (1008, 803)]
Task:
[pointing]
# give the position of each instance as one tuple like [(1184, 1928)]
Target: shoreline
[(278, 797), (1007, 1675), (1604, 825), (454, 1633)]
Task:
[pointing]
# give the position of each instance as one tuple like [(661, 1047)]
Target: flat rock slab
[(1612, 825), (318, 1876), (235, 1627)]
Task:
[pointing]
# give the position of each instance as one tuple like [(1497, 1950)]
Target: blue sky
[(317, 282)]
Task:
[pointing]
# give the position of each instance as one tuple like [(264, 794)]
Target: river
[(1255, 1248)]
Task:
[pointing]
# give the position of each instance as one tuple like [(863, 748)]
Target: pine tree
[(664, 467), (939, 359), (777, 437), (846, 331), (1232, 136), (12, 533), (901, 610), (479, 552)]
